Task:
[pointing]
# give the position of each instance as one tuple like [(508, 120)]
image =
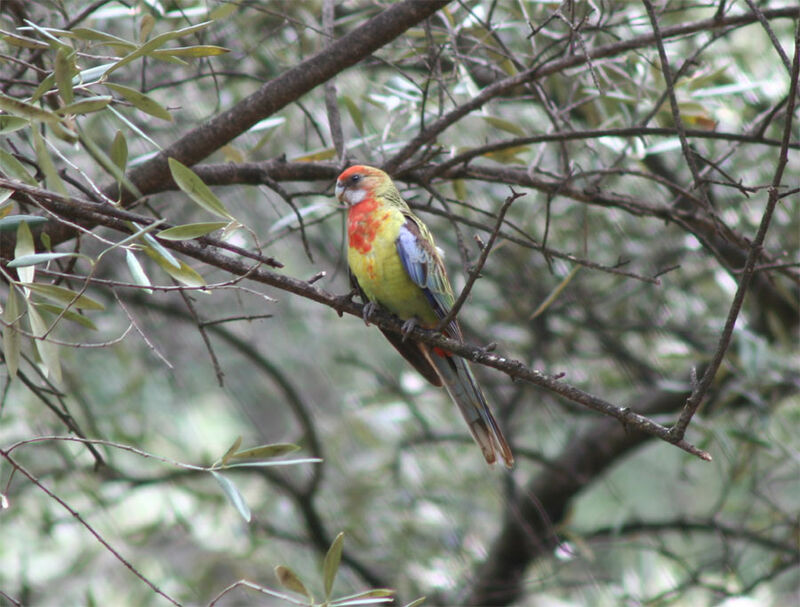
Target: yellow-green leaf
[(27, 110), (64, 70), (23, 41), (11, 337), (51, 177), (48, 351), (14, 168), (9, 124), (146, 26), (12, 222), (198, 191), (191, 230), (223, 10), (231, 450), (505, 125), (65, 296), (119, 151), (93, 35), (70, 315), (141, 101), (183, 273), (354, 111), (199, 50), (267, 451), (87, 105), (330, 565)]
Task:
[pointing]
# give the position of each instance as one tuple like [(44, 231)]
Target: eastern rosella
[(394, 263)]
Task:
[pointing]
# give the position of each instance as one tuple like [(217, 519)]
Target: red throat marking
[(363, 224)]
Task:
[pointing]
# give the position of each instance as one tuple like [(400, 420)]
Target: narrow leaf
[(64, 70), (65, 296), (198, 191), (505, 125), (47, 350), (141, 101), (25, 247), (92, 35), (199, 50), (87, 105), (290, 580), (137, 271), (14, 168), (231, 450), (183, 273), (51, 176), (37, 258), (232, 493), (26, 110), (119, 151), (267, 451), (11, 337), (70, 315), (9, 124), (12, 222), (330, 565), (191, 230)]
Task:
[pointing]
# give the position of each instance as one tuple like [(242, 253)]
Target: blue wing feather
[(425, 268)]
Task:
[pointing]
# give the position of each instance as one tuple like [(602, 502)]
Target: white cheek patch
[(354, 196)]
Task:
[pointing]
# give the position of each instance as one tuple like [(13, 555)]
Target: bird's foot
[(368, 310), (408, 327)]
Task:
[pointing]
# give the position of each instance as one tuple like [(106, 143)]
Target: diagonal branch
[(699, 391)]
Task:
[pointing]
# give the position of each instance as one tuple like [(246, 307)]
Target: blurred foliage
[(615, 269)]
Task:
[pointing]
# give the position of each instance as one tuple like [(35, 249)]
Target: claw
[(408, 327), (368, 310), (344, 300)]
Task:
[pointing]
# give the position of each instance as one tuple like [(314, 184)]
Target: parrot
[(394, 264)]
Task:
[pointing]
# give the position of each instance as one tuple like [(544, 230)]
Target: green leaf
[(223, 10), (11, 337), (266, 451), (157, 42), (119, 151), (9, 124), (87, 105), (290, 580), (161, 251), (198, 191), (12, 221), (137, 271), (64, 295), (37, 258), (330, 565), (64, 70), (47, 350), (233, 495), (191, 230), (26, 110), (15, 169), (25, 247), (183, 273), (505, 125), (417, 602), (93, 35), (46, 165), (66, 314), (23, 41), (355, 112), (199, 50), (231, 450), (141, 101)]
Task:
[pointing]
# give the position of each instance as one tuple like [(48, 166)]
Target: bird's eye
[(355, 178)]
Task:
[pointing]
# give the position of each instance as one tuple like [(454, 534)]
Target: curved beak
[(339, 190)]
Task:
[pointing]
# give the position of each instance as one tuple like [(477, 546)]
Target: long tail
[(462, 387)]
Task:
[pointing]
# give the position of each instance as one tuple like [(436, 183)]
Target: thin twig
[(476, 270), (702, 386)]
